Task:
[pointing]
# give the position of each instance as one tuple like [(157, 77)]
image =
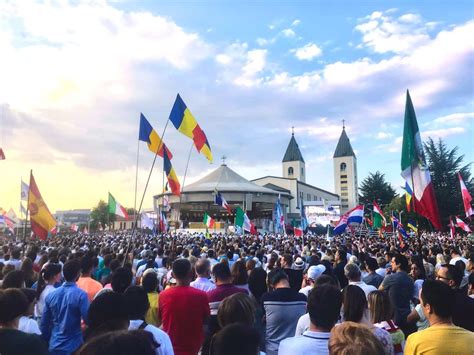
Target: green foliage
[(444, 165), (100, 213), (375, 188)]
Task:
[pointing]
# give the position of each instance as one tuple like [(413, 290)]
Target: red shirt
[(183, 311)]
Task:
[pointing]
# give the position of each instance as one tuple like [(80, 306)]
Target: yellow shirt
[(151, 316), (442, 340)]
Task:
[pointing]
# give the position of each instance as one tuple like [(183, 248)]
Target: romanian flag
[(42, 221), (148, 134), (171, 175), (184, 121)]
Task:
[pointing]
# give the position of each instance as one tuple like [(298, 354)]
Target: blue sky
[(76, 75)]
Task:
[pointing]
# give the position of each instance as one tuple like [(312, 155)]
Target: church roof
[(344, 148), (225, 179), (293, 152)]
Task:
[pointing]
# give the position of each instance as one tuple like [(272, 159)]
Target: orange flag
[(42, 221)]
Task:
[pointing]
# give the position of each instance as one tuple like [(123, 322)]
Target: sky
[(75, 75)]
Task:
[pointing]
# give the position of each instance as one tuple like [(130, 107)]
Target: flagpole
[(412, 201), (27, 211), (184, 180), (146, 187), (136, 176)]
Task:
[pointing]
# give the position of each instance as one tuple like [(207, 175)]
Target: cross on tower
[(223, 159), (343, 124), (292, 130)]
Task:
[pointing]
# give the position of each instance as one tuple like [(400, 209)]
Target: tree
[(375, 188), (444, 165), (100, 213)]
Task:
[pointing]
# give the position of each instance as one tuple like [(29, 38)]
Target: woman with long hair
[(239, 275), (30, 275), (381, 314), (355, 310), (48, 277)]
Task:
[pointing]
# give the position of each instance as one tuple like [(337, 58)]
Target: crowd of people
[(187, 293)]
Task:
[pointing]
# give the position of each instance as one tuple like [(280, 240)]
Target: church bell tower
[(293, 163)]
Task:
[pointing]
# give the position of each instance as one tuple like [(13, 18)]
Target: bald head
[(203, 268)]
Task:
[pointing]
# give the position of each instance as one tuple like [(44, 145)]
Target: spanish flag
[(184, 121), (42, 221), (148, 134), (171, 175)]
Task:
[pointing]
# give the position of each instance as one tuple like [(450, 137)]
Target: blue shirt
[(61, 320)]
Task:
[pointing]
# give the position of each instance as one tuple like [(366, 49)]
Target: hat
[(315, 271), (299, 264)]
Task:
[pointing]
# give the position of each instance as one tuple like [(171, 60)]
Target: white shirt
[(305, 290), (454, 260), (28, 325), (302, 325), (160, 336), (40, 304), (309, 344), (366, 288), (203, 284), (381, 271), (15, 262)]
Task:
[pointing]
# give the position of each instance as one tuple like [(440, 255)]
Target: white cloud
[(255, 63), (455, 118), (295, 23), (383, 33), (442, 133), (308, 52), (383, 135), (288, 32)]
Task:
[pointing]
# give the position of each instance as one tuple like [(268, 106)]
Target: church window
[(308, 197), (344, 200), (302, 171), (343, 176), (344, 188), (343, 193), (343, 166), (343, 181), (290, 171)]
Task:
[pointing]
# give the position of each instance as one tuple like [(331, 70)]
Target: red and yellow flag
[(42, 221)]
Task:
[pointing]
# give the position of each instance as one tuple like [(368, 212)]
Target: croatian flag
[(356, 215), (341, 225), (461, 224), (220, 200)]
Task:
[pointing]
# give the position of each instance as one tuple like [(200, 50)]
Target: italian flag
[(208, 221), (379, 218), (242, 220), (414, 169), (116, 208)]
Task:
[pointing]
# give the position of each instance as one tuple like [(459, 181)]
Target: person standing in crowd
[(27, 323), (150, 285), (48, 277), (203, 272), (442, 337), (13, 305), (15, 259), (353, 338), (381, 314), (324, 306), (400, 286), (64, 308), (184, 311), (236, 339), (283, 307), (463, 311), (353, 274), (121, 342), (340, 263), (310, 278), (240, 276), (137, 304), (295, 277), (372, 278), (86, 282)]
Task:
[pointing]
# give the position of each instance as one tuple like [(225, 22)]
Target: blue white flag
[(304, 220)]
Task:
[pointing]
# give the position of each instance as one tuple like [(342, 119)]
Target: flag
[(341, 225), (55, 230), (463, 225), (220, 200), (298, 231), (171, 176), (24, 191), (116, 208), (279, 218), (12, 215), (7, 221), (22, 209), (2, 154), (412, 226), (452, 229), (85, 230), (148, 134), (414, 168), (146, 222), (184, 121), (304, 221), (74, 227), (397, 226), (379, 218), (42, 221), (166, 202), (208, 221), (163, 223), (466, 198), (355, 215), (408, 195), (243, 221)]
